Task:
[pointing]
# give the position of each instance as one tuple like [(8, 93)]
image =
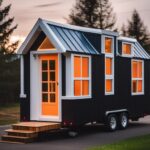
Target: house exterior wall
[(79, 111), (86, 110)]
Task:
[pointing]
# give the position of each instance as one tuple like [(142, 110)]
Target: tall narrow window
[(137, 77), (81, 75), (109, 65)]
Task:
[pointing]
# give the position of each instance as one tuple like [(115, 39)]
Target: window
[(81, 76), (108, 45), (126, 49), (109, 65), (109, 75), (46, 45), (137, 77)]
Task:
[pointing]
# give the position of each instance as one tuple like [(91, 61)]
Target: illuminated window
[(137, 77), (108, 45), (46, 45), (81, 75), (109, 75), (126, 49)]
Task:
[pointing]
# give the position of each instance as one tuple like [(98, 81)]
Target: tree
[(9, 64), (93, 13), (138, 30)]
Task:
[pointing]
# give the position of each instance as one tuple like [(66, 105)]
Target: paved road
[(89, 136)]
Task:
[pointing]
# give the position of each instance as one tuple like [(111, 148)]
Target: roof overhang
[(32, 36)]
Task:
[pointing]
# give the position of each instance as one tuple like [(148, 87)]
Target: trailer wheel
[(123, 120), (112, 122)]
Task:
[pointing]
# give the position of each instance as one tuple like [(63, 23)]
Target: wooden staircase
[(26, 132)]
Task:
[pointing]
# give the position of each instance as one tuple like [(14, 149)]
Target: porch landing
[(26, 132)]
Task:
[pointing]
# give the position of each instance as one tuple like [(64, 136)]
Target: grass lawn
[(137, 143), (9, 114)]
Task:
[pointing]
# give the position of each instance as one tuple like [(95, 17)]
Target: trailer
[(75, 75)]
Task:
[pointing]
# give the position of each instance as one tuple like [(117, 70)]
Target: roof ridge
[(79, 28)]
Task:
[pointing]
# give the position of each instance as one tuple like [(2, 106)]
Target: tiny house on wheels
[(76, 75)]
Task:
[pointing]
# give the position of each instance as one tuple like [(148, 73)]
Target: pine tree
[(93, 13), (138, 30), (9, 64)]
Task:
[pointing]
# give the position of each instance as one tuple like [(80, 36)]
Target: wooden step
[(36, 126), (17, 139), (22, 133)]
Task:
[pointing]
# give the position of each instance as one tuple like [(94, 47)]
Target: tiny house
[(75, 75)]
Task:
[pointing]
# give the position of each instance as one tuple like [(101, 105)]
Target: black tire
[(112, 122), (123, 120)]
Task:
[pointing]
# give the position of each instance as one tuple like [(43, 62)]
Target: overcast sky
[(26, 12)]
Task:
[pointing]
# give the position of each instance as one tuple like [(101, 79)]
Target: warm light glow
[(15, 38)]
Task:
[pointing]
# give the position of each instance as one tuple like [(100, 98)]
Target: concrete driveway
[(88, 137)]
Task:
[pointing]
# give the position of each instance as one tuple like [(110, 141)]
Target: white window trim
[(109, 76), (132, 50), (109, 55), (138, 93), (103, 45), (70, 78)]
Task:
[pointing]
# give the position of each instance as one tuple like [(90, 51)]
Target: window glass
[(108, 62), (77, 66), (85, 67), (126, 49), (108, 85), (46, 44), (134, 69), (137, 76), (77, 88), (81, 76), (108, 45), (85, 87)]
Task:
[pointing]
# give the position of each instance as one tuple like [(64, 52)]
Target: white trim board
[(22, 94)]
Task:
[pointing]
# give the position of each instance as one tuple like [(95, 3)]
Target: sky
[(26, 12)]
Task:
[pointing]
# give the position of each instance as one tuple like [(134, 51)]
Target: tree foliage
[(9, 63), (136, 29), (93, 13)]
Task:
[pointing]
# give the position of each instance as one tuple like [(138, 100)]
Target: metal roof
[(139, 51), (83, 29), (73, 40)]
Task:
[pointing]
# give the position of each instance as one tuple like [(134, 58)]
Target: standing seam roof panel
[(78, 41), (61, 39), (73, 40), (66, 39), (83, 40)]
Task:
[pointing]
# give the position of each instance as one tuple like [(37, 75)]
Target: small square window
[(126, 49)]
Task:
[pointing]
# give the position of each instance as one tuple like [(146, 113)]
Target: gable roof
[(64, 37), (70, 38)]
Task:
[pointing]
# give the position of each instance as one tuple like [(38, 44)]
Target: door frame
[(35, 88)]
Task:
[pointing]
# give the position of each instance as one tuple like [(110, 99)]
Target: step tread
[(36, 124), (16, 137), (5, 141), (20, 131)]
